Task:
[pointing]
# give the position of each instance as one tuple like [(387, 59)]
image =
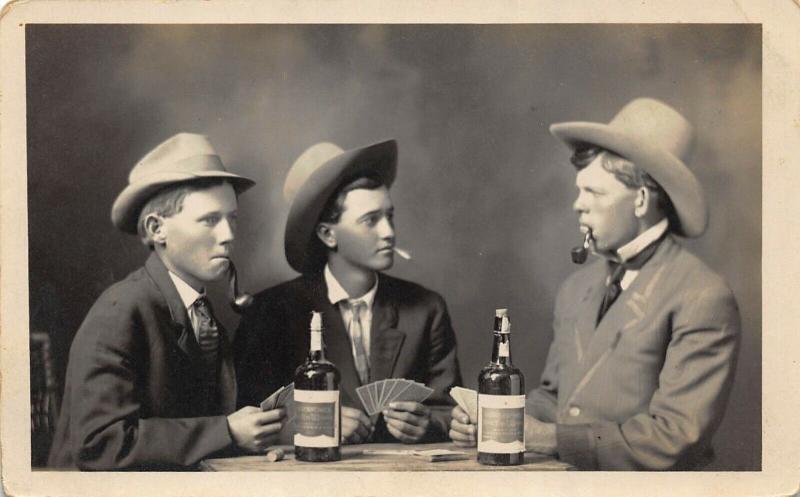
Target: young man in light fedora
[(340, 236), (150, 381), (646, 336)]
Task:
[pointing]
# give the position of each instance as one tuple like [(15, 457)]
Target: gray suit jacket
[(647, 388)]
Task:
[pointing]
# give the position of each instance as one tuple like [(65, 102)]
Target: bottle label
[(501, 423), (503, 349), (316, 418), (316, 341)]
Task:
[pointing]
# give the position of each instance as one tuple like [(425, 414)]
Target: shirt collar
[(188, 294), (633, 247), (336, 293)]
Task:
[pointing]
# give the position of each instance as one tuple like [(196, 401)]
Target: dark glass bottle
[(316, 399), (501, 402)]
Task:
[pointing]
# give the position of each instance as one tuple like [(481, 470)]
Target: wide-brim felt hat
[(313, 179), (182, 158), (657, 138)]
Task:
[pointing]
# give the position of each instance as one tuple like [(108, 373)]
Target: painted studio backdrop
[(484, 193)]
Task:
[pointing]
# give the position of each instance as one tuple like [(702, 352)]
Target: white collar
[(336, 293), (188, 294), (651, 234)]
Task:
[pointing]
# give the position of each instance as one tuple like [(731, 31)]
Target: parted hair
[(334, 207), (332, 213)]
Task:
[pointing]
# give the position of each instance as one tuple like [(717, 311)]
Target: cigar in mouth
[(237, 300), (405, 254), (579, 254)]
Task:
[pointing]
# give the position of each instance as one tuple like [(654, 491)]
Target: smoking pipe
[(580, 253), (238, 300)]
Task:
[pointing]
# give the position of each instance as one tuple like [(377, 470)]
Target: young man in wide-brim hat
[(340, 236), (150, 381), (646, 336)]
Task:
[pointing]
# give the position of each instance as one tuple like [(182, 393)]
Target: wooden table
[(381, 457)]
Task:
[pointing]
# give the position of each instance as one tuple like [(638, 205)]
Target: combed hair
[(169, 201), (627, 173), (317, 254), (333, 209)]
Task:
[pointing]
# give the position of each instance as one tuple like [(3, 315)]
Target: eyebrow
[(217, 213), (373, 212)]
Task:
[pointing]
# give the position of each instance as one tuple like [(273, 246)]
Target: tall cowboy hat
[(655, 137), (312, 180), (182, 158)]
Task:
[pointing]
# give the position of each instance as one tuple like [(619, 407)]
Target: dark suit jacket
[(411, 337), (646, 388), (134, 396)]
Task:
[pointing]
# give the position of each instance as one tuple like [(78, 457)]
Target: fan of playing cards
[(468, 401), (282, 397), (376, 396)]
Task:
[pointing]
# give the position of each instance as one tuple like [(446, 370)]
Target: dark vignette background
[(483, 194)]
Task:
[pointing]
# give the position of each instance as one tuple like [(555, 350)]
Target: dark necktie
[(613, 287), (208, 339), (616, 271)]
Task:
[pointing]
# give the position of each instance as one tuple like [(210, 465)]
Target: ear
[(155, 229), (327, 235), (642, 202)]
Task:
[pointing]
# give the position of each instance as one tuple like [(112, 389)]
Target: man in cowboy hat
[(646, 337), (340, 236), (150, 382)]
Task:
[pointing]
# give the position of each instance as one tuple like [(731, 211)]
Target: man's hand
[(253, 429), (356, 426), (540, 436), (407, 421), (462, 432)]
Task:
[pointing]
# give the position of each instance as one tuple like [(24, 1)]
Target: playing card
[(390, 386), (416, 392), (468, 401), (436, 455), (269, 403), (372, 390), (401, 386), (457, 396), (363, 395), (382, 393), (286, 396)]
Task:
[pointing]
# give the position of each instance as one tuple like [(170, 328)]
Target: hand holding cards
[(467, 400), (376, 396)]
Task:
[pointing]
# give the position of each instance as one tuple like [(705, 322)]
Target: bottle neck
[(501, 351), (316, 352)]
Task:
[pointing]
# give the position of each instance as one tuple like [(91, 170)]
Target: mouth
[(385, 250)]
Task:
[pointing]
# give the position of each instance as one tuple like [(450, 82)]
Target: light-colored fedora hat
[(182, 158), (655, 137), (314, 177)]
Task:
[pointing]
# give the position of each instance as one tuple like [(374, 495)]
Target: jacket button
[(574, 411)]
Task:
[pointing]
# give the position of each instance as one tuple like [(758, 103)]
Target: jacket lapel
[(385, 338), (585, 325), (184, 334), (336, 339), (625, 314)]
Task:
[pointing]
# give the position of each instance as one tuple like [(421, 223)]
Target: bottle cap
[(501, 321), (316, 321)]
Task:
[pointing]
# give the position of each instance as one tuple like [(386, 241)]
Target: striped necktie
[(356, 331), (208, 339)]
